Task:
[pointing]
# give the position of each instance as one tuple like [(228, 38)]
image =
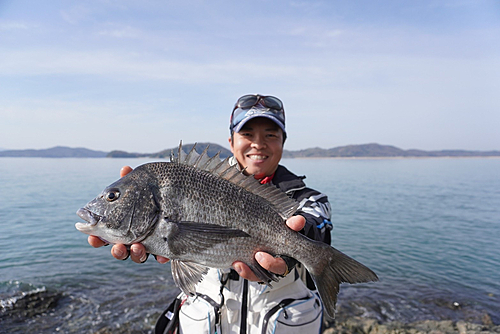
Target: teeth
[(257, 157), (84, 227)]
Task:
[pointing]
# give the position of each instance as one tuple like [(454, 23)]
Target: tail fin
[(334, 268)]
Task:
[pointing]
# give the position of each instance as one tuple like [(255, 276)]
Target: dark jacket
[(314, 207)]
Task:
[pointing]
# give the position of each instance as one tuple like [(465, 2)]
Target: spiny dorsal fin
[(284, 205), (181, 156), (203, 158), (192, 156)]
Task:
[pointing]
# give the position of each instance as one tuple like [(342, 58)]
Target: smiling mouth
[(257, 157)]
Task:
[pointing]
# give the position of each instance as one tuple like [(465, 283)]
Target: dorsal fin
[(192, 156), (181, 156), (203, 158), (284, 205)]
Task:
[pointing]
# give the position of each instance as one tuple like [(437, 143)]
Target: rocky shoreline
[(35, 307), (360, 325)]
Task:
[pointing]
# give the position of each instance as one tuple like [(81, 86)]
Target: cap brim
[(270, 116)]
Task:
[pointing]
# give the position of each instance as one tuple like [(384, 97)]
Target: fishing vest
[(226, 303)]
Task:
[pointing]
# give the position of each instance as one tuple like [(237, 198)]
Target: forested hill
[(213, 149), (349, 151), (55, 152), (377, 150)]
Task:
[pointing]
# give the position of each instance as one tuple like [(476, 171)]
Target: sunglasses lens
[(247, 101), (272, 102)]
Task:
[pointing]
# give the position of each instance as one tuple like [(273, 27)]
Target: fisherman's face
[(258, 147)]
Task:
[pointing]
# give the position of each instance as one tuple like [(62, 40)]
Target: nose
[(259, 142)]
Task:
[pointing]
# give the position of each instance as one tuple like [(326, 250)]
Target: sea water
[(430, 228)]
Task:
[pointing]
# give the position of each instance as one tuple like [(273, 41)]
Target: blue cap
[(254, 105)]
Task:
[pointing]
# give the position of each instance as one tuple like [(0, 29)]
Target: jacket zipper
[(244, 308)]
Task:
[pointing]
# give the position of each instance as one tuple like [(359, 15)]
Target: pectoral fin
[(190, 237), (187, 274)]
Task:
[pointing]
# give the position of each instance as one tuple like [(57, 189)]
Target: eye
[(112, 195)]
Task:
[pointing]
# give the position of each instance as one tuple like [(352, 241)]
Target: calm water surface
[(430, 228)]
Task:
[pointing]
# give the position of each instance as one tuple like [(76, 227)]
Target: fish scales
[(202, 212), (209, 199)]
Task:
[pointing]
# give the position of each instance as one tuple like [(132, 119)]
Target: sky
[(140, 76)]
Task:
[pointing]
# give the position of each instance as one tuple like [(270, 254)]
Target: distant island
[(213, 149), (54, 152), (382, 151), (349, 151)]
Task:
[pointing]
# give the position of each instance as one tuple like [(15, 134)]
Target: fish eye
[(112, 195)]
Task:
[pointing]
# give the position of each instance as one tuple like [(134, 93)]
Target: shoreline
[(396, 157), (43, 304), (287, 158), (361, 325)]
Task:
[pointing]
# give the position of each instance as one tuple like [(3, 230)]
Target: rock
[(360, 325), (31, 304), (435, 327), (486, 320), (462, 327)]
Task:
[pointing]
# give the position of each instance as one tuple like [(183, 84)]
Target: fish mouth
[(91, 220)]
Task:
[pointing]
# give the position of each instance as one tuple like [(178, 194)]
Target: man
[(232, 300)]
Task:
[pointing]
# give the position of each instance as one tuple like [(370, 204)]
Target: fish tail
[(333, 268)]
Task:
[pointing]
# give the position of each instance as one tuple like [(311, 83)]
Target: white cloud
[(131, 67), (11, 26)]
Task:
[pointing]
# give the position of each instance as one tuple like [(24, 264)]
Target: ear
[(230, 140)]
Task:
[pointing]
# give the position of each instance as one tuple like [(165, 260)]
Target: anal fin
[(187, 274)]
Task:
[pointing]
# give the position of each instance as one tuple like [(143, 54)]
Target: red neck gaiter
[(267, 179)]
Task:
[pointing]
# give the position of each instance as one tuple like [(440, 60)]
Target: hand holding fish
[(138, 251), (274, 264), (204, 213), (120, 252)]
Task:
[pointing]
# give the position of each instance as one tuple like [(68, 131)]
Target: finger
[(273, 264), (138, 253), (161, 259), (125, 170), (296, 223), (245, 272), (119, 252), (96, 241)]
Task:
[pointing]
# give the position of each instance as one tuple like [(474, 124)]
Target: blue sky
[(142, 75)]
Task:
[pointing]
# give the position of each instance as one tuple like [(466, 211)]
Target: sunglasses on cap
[(273, 104)]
